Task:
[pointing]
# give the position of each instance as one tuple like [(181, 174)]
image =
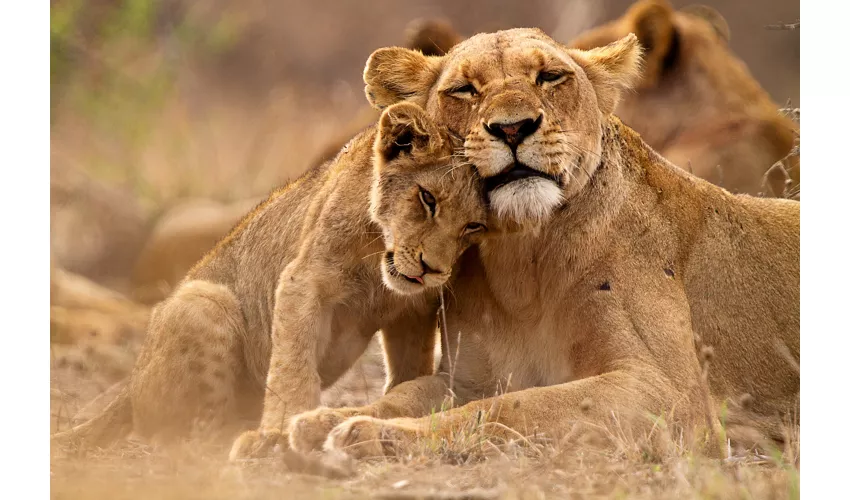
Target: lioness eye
[(474, 227), (548, 76), (428, 201), (466, 89)]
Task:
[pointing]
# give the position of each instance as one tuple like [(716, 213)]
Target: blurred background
[(154, 102)]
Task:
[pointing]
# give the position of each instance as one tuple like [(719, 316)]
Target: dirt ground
[(473, 469)]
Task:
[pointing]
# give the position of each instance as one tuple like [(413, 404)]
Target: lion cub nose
[(426, 268), (514, 133)]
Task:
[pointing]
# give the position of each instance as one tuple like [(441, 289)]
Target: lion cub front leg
[(408, 343), (300, 331)]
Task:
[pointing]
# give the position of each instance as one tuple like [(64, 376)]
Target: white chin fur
[(526, 200)]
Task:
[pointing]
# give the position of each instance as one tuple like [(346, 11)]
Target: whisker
[(449, 287), (373, 241), (372, 254)]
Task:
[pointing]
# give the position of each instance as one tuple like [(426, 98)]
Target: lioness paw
[(362, 437), (256, 444), (309, 430)]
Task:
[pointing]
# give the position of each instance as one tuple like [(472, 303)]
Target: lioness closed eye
[(290, 299)]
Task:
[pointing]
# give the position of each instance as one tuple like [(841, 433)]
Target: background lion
[(697, 103)]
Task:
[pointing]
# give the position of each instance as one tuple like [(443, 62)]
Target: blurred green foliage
[(115, 63), (91, 42)]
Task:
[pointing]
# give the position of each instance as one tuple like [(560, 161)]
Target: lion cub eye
[(549, 76), (467, 90), (428, 201), (474, 227)]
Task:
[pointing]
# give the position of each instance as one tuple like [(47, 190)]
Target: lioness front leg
[(553, 410), (408, 344), (300, 328), (415, 398)]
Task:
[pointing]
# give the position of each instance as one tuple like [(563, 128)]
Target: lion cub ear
[(405, 128), (397, 74), (611, 69)]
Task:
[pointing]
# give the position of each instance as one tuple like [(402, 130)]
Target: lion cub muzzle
[(412, 269)]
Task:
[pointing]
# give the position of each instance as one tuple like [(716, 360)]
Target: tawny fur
[(288, 301), (649, 292)]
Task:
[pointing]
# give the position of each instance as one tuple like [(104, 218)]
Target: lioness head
[(428, 202), (531, 110)]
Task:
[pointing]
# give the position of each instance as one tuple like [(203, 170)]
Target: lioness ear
[(396, 74), (652, 22), (611, 69), (432, 37), (404, 127), (714, 18)]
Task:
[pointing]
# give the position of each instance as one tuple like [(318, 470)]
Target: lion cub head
[(532, 111), (428, 202)]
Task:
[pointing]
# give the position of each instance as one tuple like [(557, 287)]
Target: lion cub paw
[(309, 430), (257, 444), (363, 437)]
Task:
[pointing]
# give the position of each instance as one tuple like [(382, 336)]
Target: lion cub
[(285, 304)]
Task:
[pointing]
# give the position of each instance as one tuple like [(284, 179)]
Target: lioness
[(618, 272), (290, 299)]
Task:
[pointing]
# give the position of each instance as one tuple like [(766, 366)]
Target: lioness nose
[(514, 133)]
